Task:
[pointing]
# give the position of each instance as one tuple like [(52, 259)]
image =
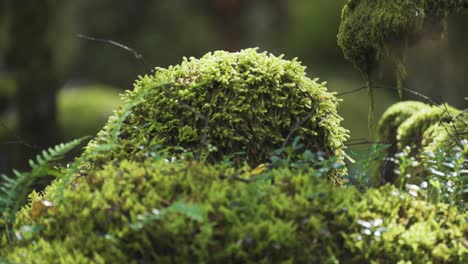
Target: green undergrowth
[(428, 148), (177, 211)]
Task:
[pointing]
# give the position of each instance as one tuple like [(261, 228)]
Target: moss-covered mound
[(444, 137), (410, 132), (422, 127), (160, 212), (387, 128), (244, 102), (394, 116), (372, 30)]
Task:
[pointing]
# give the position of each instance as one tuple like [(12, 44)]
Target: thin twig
[(457, 140), (19, 140), (137, 55), (364, 142), (11, 142), (428, 99)]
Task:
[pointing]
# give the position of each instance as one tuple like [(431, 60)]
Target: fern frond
[(14, 190), (55, 153)]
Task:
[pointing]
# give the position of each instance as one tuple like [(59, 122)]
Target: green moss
[(373, 29), (159, 212), (387, 128), (422, 127), (410, 133), (251, 102), (377, 30), (445, 136), (394, 116)]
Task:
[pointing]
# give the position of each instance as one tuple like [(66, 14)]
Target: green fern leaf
[(14, 190)]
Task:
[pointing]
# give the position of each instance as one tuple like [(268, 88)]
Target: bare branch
[(18, 140), (137, 55), (428, 99)]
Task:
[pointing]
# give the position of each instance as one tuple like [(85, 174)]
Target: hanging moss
[(159, 212), (373, 29), (251, 102), (376, 30)]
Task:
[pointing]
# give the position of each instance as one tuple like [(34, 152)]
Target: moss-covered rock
[(421, 127), (394, 116), (160, 212), (445, 136), (387, 134), (411, 131), (244, 102)]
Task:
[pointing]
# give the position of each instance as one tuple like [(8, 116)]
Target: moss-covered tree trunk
[(30, 58)]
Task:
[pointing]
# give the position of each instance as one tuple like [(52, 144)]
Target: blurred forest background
[(55, 86)]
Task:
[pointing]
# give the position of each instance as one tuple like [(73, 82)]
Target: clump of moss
[(446, 136), (376, 30), (159, 212), (244, 102), (387, 128), (394, 116), (422, 127), (410, 133)]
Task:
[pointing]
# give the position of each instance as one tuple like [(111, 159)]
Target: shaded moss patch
[(155, 211)]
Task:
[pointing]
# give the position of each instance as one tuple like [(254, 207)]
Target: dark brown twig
[(18, 140), (428, 99), (137, 55)]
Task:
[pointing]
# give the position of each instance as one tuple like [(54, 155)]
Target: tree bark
[(30, 58)]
